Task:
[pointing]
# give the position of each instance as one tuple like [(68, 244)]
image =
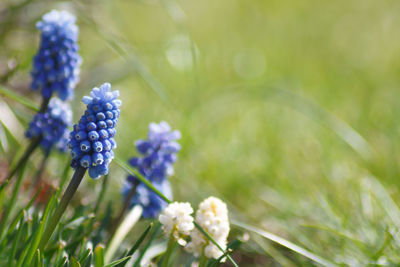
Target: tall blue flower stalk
[(91, 144), (55, 70), (158, 154), (56, 64), (51, 126)]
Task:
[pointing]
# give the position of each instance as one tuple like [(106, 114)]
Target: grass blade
[(99, 256), (204, 232), (151, 239), (138, 242), (16, 241), (20, 99), (74, 262), (283, 242), (130, 220), (140, 177), (114, 263), (38, 234)]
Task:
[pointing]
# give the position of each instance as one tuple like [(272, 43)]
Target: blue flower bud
[(106, 145), (97, 159), (81, 135), (93, 136), (86, 161), (100, 116), (97, 146), (84, 146), (103, 134), (91, 126)]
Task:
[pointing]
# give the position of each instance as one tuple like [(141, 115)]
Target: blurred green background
[(288, 109)]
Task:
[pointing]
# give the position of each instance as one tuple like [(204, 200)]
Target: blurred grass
[(289, 162)]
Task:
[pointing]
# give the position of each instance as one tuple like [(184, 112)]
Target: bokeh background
[(288, 109)]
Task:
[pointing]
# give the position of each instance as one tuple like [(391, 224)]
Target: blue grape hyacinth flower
[(92, 139), (158, 152), (56, 64), (152, 204), (52, 125)]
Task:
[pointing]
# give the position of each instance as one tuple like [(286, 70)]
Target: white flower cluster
[(177, 221), (212, 216)]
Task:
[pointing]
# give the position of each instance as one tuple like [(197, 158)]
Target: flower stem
[(66, 198), (6, 213), (170, 248), (42, 167), (203, 261), (124, 208), (32, 146), (44, 105)]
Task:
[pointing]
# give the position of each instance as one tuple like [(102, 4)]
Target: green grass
[(288, 110)]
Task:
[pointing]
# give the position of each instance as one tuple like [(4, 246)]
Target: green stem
[(203, 261), (168, 253), (124, 208), (32, 146), (44, 105), (66, 198), (101, 194), (7, 211), (42, 167)]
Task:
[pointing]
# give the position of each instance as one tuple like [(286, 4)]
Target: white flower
[(177, 221), (212, 216)]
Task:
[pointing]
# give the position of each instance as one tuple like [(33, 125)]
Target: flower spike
[(52, 125), (92, 140), (56, 64), (212, 216)]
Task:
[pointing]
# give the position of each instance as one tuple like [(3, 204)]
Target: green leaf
[(38, 233), (20, 99), (231, 247), (114, 263), (285, 243), (62, 261), (99, 256), (74, 262), (38, 261), (140, 177), (12, 201), (137, 244), (85, 255), (21, 214), (122, 231), (140, 240), (151, 239), (204, 232), (78, 221), (16, 242), (88, 261)]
